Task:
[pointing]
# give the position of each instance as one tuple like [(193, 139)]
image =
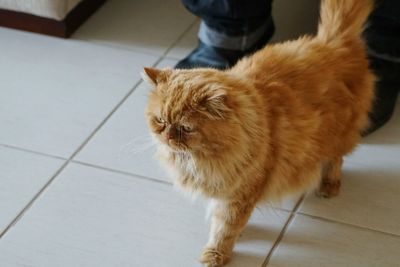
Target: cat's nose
[(172, 133)]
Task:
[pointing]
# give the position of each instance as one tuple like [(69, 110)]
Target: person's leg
[(383, 41), (229, 30)]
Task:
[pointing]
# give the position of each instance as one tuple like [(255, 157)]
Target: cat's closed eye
[(159, 124), (159, 120), (187, 128)]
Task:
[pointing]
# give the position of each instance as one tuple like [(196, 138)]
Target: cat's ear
[(155, 76), (215, 104)]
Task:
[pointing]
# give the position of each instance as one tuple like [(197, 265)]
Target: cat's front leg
[(227, 221)]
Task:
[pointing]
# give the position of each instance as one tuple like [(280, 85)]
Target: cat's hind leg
[(330, 180)]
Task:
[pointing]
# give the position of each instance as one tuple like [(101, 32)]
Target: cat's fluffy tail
[(342, 19)]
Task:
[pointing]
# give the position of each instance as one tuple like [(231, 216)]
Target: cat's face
[(187, 111)]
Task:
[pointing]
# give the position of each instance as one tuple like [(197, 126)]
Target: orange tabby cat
[(279, 122)]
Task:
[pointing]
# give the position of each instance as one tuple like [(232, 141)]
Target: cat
[(277, 123)]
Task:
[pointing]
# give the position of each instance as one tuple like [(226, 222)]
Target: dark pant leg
[(229, 30), (383, 41), (231, 17), (383, 31)]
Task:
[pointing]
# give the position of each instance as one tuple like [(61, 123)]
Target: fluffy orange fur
[(279, 122)]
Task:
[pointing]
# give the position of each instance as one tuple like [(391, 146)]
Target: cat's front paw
[(211, 257)]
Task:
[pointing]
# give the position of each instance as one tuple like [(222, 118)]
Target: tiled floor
[(79, 187)]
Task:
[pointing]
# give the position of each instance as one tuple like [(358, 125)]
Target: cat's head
[(190, 110)]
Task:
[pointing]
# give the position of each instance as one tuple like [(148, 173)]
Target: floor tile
[(91, 217), (369, 197), (55, 92), (310, 242), (148, 26), (124, 142), (186, 44), (22, 175)]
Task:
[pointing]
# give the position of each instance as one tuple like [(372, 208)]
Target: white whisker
[(194, 168)]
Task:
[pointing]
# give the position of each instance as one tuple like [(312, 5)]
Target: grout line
[(347, 224), (180, 37), (295, 212), (158, 61), (37, 195), (122, 101), (173, 58), (40, 192), (283, 232), (135, 50), (164, 55), (142, 177), (118, 47), (137, 176), (33, 151), (24, 209)]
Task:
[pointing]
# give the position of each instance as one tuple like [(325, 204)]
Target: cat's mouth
[(176, 146)]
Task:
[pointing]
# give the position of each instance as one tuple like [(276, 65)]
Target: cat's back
[(302, 62), (312, 69), (329, 85)]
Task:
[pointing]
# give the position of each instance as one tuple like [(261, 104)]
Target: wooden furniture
[(52, 17)]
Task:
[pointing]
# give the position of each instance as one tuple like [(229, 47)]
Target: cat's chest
[(187, 165), (196, 177)]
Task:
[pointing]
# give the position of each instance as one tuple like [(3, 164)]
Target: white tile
[(55, 92), (124, 142), (310, 242), (186, 44), (22, 175), (369, 197), (150, 26), (90, 217)]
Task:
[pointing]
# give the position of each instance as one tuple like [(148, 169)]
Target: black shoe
[(206, 56), (386, 91)]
